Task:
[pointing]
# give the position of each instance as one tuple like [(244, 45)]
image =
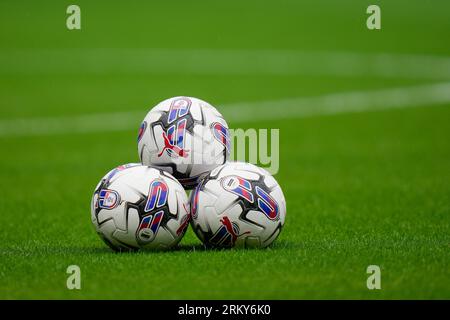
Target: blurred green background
[(361, 188)]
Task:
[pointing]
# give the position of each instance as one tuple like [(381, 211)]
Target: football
[(136, 206), (238, 204), (184, 136)]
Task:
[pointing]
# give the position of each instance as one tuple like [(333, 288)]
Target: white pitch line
[(334, 103), (343, 102)]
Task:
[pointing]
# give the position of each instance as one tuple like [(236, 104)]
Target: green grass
[(361, 189)]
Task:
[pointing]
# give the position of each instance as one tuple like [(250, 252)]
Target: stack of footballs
[(184, 144)]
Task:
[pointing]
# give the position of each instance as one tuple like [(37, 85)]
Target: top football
[(184, 136)]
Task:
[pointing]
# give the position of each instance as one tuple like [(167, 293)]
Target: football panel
[(278, 195), (128, 236), (106, 231), (273, 236)]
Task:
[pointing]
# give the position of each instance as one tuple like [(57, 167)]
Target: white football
[(136, 206), (238, 204), (186, 137)]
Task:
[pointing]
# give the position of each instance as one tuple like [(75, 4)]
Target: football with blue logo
[(186, 137), (238, 205), (136, 206)]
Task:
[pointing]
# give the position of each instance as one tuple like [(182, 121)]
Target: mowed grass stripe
[(223, 62), (354, 101)]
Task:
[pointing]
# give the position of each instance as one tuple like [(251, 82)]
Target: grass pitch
[(361, 188)]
